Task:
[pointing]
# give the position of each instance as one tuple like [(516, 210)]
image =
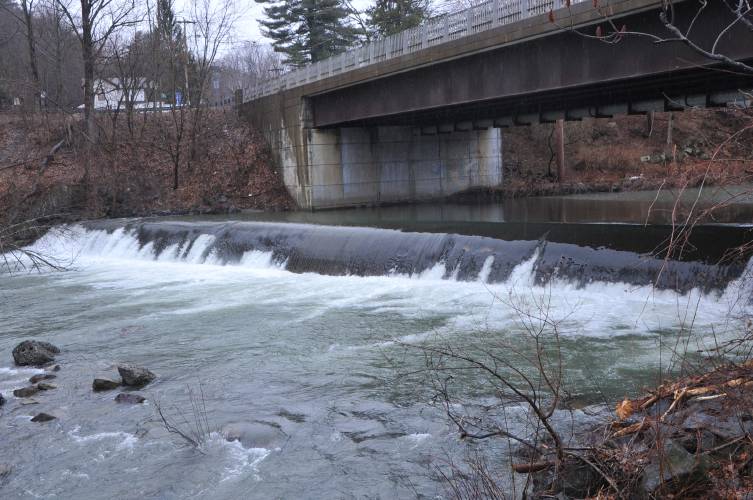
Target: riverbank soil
[(629, 153), (689, 438), (47, 166)]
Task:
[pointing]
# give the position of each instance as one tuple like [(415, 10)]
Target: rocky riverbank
[(688, 438)]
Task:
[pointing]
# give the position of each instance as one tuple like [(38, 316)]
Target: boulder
[(573, 479), (127, 398), (42, 376), (45, 386), (26, 392), (580, 480), (104, 384), (673, 465), (34, 353), (5, 470), (53, 368), (135, 376), (253, 434), (42, 417)]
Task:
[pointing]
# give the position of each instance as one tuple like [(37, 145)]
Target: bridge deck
[(489, 24)]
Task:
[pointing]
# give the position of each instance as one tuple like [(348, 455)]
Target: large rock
[(42, 376), (104, 384), (43, 417), (26, 392), (573, 479), (127, 398), (135, 376), (253, 434), (672, 465), (45, 386), (34, 353)]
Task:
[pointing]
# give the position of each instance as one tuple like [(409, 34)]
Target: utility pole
[(185, 56)]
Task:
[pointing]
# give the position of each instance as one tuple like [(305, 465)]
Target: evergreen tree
[(174, 66), (388, 17), (167, 26), (307, 30)]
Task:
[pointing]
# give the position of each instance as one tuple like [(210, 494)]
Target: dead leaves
[(712, 385), (624, 409)]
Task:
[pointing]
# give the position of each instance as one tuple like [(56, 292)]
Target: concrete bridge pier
[(370, 165)]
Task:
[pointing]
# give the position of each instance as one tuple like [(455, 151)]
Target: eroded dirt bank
[(132, 171), (629, 153)]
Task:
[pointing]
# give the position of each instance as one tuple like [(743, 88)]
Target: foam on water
[(124, 440), (417, 438), (239, 460), (15, 378), (8, 371)]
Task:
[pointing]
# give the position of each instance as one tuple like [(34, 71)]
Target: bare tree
[(15, 256), (214, 23), (94, 23), (39, 44), (26, 18), (27, 7), (246, 67)]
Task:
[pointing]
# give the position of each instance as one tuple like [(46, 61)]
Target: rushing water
[(286, 332)]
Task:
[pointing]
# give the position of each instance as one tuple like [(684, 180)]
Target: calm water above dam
[(288, 326)]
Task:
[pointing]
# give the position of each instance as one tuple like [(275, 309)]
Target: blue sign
[(178, 98)]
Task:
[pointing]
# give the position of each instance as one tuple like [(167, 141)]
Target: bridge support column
[(371, 165)]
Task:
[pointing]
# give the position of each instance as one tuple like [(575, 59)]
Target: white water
[(119, 261)]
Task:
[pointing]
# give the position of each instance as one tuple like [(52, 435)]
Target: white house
[(112, 94)]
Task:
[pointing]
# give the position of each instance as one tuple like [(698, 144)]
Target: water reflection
[(639, 221)]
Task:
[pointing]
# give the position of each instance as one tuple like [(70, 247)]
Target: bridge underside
[(562, 74), (435, 129)]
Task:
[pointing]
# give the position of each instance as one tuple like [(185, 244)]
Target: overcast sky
[(247, 28)]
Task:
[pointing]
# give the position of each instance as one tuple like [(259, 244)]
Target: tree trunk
[(33, 68), (87, 51), (58, 58)]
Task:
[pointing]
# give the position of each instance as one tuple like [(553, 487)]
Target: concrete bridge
[(420, 114)]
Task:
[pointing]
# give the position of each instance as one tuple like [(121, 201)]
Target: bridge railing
[(436, 31)]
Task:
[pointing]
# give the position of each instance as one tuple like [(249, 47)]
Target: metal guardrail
[(436, 31)]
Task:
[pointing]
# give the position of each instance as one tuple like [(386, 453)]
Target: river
[(290, 329)]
